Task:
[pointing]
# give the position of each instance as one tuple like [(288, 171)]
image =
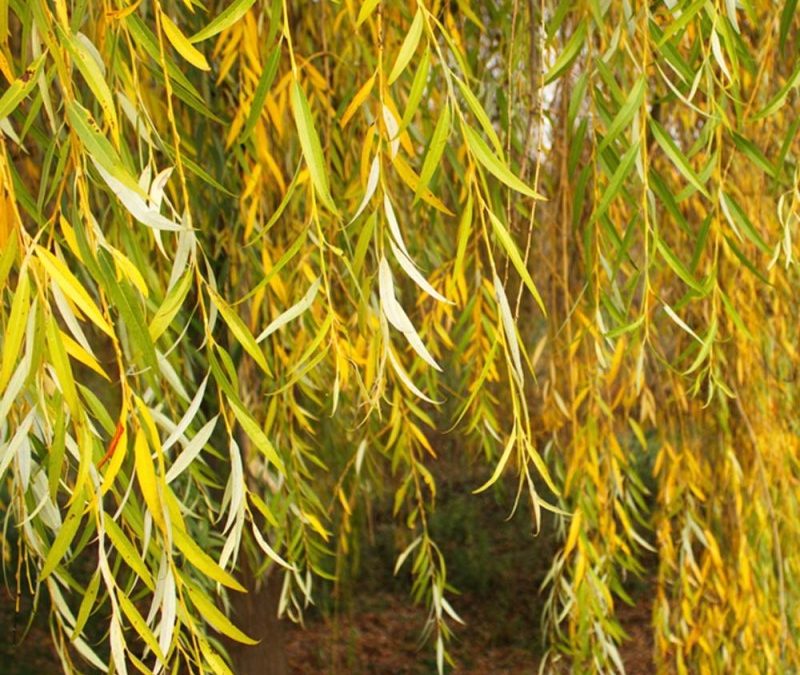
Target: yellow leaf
[(343, 500), (72, 288), (411, 179), (115, 463), (80, 354), (69, 237), (574, 531), (129, 270), (313, 521), (15, 330), (500, 465), (204, 562), (137, 621), (216, 618), (146, 474), (119, 14), (358, 99), (182, 45)]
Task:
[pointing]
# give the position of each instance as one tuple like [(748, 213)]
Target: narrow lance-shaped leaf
[(359, 98), (71, 287), (21, 87), (494, 165), (128, 552), (202, 561), (293, 312), (182, 44), (568, 54), (309, 142), (509, 328), (435, 150), (241, 332), (64, 536), (98, 146), (216, 618), (508, 245), (91, 72), (408, 47), (225, 19), (676, 156)]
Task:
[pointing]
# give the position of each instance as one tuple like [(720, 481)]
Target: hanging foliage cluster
[(257, 258)]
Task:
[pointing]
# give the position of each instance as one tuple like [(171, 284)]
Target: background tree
[(259, 255)]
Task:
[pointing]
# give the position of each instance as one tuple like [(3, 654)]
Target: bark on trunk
[(256, 613)]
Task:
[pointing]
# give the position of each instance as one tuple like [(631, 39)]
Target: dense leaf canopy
[(261, 260)]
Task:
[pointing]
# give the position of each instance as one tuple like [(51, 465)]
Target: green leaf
[(676, 157), (678, 267), (21, 87), (495, 166), (91, 72), (741, 223), (745, 260), (309, 142), (130, 310), (480, 115), (568, 54), (788, 16), (60, 363), (256, 434), (87, 604), (64, 536), (225, 19), (262, 89), (435, 150), (98, 146), (617, 180), (202, 561), (128, 552), (170, 307), (364, 238), (504, 237), (367, 7), (55, 459), (777, 101), (408, 47), (683, 20), (623, 118), (417, 89), (241, 332)]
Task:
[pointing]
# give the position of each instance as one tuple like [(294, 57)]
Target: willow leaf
[(408, 47), (224, 20), (309, 142), (495, 165)]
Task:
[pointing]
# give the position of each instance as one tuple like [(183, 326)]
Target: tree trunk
[(256, 613)]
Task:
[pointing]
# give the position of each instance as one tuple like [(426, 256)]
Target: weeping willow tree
[(258, 256)]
